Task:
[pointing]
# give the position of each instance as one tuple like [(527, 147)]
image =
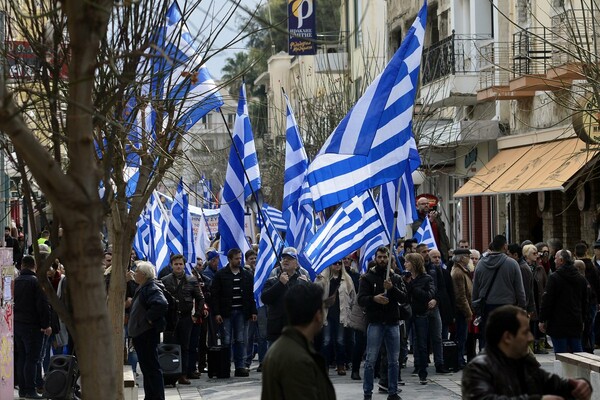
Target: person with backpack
[(146, 321), (190, 304)]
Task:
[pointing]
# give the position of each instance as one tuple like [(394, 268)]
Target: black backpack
[(172, 315)]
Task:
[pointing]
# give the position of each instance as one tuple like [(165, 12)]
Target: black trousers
[(146, 347), (181, 336)]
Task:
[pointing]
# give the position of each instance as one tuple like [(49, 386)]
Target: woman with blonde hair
[(339, 296)]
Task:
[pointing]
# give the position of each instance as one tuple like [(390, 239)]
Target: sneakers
[(241, 373), (423, 381), (383, 387), (394, 397)]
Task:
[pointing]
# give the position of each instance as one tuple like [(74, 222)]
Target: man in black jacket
[(32, 322), (506, 369), (186, 290), (274, 290), (380, 298), (233, 305)]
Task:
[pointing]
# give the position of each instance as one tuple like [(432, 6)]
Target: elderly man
[(507, 370), (564, 305), (276, 287), (463, 287)]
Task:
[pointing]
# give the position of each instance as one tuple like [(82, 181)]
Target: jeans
[(390, 335), (567, 345), (44, 362), (132, 358), (461, 337), (255, 334), (146, 347), (235, 327), (28, 343), (435, 336), (421, 327), (334, 330)]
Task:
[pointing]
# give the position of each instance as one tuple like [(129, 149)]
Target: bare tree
[(100, 99)]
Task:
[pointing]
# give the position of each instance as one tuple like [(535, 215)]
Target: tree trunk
[(91, 331)]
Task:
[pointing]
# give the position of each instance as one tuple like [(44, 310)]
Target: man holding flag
[(437, 228)]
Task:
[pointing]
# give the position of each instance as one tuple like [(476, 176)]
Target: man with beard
[(380, 298)]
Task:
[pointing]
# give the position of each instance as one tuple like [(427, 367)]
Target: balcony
[(575, 40), (450, 71), (494, 74), (449, 133), (532, 51), (331, 56)]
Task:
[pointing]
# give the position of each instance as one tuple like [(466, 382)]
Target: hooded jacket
[(564, 303), (508, 286)]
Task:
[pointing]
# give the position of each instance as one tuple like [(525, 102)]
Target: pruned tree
[(107, 104)]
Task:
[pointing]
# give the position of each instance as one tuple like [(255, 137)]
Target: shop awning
[(536, 168)]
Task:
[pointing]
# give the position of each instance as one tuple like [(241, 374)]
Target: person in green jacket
[(292, 368)]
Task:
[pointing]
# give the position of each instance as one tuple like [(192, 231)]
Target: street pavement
[(440, 387)]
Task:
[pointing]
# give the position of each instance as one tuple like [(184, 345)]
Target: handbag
[(358, 319), (479, 304)]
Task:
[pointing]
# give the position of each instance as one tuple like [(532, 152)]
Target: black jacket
[(31, 304), (564, 303), (222, 293), (371, 284), (444, 295), (272, 296), (420, 291), (148, 310), (186, 294), (491, 376)]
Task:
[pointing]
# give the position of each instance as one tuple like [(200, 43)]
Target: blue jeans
[(334, 329), (567, 345), (462, 328), (255, 333), (421, 328), (28, 344), (390, 335), (236, 327)]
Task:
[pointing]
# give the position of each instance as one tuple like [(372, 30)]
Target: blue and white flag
[(269, 247), (243, 128), (297, 201), (373, 144), (180, 234), (368, 250), (353, 224), (158, 253), (237, 188), (274, 215), (202, 241), (141, 241), (425, 235)]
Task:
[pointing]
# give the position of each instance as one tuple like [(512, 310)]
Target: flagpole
[(254, 194), (387, 234), (394, 226)]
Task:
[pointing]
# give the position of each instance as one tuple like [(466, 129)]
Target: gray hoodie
[(508, 286)]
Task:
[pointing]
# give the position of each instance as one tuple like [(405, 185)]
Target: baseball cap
[(290, 252), (211, 255)]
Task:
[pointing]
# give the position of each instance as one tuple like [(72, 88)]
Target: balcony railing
[(575, 37), (456, 54), (532, 51), (494, 65)]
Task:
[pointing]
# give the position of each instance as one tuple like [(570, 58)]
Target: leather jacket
[(492, 375)]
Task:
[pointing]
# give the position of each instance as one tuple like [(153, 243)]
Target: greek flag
[(373, 144), (368, 250), (274, 215), (425, 235), (141, 240), (297, 201), (180, 235), (268, 250), (158, 253), (237, 188), (352, 225)]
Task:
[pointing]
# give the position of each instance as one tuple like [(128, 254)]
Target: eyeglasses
[(337, 263)]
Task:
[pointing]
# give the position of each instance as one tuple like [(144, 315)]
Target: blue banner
[(302, 27)]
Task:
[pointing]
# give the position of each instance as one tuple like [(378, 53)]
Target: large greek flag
[(141, 240), (297, 201), (159, 251), (373, 144), (353, 224), (180, 235)]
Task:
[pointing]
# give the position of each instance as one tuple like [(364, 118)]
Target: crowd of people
[(410, 301)]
